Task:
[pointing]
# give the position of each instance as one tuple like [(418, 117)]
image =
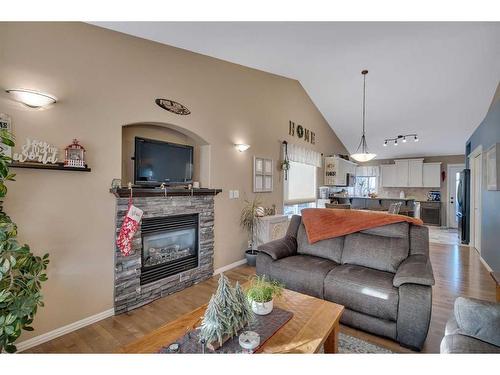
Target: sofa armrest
[(478, 319), (282, 248), (416, 269)]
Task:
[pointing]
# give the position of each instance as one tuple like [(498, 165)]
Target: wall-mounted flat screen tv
[(158, 162)]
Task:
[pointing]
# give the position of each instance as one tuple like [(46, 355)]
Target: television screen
[(158, 162)]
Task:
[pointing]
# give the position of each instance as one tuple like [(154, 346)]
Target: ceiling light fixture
[(241, 147), (362, 153), (32, 98), (402, 137)]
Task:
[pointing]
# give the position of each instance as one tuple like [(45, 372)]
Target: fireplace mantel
[(157, 192)]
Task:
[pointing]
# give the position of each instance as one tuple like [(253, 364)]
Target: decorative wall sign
[(302, 133), (262, 175), (74, 155), (5, 124), (37, 151), (173, 106)]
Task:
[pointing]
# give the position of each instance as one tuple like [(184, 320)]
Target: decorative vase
[(262, 308), (251, 256)]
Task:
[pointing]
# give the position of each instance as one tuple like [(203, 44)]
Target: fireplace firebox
[(169, 246)]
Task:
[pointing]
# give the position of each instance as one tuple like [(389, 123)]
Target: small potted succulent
[(261, 294), (250, 216)]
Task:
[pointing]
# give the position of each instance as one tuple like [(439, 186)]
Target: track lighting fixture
[(403, 138)]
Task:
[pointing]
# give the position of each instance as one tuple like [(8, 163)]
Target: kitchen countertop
[(380, 198)]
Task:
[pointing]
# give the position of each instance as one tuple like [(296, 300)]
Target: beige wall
[(105, 80), (421, 193)]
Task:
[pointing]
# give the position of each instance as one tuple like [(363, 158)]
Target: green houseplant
[(21, 272), (261, 294), (249, 221)]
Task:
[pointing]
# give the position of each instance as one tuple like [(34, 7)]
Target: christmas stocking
[(128, 229)]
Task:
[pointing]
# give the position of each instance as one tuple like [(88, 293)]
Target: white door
[(453, 179), (476, 180)]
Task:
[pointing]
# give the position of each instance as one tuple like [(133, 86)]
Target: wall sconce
[(241, 147), (32, 98)]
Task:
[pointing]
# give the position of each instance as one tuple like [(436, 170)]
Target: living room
[(165, 167)]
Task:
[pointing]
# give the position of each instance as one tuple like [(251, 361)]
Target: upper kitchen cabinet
[(337, 170), (410, 173), (432, 175), (415, 172), (401, 173), (388, 175)]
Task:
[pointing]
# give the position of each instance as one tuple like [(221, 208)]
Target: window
[(365, 185), (300, 188)]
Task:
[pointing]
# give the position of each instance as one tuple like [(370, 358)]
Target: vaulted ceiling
[(433, 79)]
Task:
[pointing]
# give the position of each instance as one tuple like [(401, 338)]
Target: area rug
[(353, 345)]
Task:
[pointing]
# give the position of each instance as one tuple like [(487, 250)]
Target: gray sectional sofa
[(473, 328), (382, 276)]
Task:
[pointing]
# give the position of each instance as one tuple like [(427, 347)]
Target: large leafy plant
[(249, 218), (21, 272)]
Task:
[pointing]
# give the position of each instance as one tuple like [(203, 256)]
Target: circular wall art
[(172, 106), (300, 131)]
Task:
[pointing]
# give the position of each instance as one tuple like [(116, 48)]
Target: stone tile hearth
[(128, 291)]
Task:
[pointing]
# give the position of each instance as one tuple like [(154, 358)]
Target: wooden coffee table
[(315, 323)]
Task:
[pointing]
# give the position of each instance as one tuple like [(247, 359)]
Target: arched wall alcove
[(168, 133)]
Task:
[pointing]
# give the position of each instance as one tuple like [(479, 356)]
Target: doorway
[(476, 169), (453, 174)]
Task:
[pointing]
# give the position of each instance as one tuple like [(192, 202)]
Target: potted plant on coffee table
[(249, 221), (261, 294)]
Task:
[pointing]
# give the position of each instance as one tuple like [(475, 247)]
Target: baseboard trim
[(37, 340), (230, 266), (486, 265)]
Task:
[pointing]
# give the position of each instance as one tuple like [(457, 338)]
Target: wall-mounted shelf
[(57, 167)]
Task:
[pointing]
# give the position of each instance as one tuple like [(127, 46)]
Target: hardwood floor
[(457, 269)]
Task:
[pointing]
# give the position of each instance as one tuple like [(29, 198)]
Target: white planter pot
[(262, 308)]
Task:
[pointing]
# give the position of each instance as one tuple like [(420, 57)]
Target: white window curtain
[(300, 186), (304, 155)]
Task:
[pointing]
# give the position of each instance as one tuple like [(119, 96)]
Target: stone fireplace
[(173, 248)]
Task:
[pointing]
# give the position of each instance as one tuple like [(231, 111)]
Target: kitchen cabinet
[(410, 173), (336, 170), (415, 172), (401, 173), (388, 175), (432, 175)]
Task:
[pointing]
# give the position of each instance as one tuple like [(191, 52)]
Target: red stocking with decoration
[(128, 229)]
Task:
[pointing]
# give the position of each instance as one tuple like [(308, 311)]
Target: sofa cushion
[(329, 249), (302, 273), (460, 344), (381, 252), (479, 319), (397, 230), (363, 290)]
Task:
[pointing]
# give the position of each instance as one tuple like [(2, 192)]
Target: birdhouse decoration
[(74, 155)]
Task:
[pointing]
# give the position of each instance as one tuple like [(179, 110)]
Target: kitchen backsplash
[(419, 194)]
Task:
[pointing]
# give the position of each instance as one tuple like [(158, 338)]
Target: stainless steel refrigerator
[(463, 206)]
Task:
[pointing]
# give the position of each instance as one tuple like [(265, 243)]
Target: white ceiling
[(435, 79)]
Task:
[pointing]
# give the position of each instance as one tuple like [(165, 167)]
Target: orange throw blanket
[(324, 223)]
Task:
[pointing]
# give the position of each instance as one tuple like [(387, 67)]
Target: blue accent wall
[(487, 134)]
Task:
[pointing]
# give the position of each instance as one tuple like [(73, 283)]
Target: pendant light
[(362, 153)]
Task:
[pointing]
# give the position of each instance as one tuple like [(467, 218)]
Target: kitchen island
[(377, 204)]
